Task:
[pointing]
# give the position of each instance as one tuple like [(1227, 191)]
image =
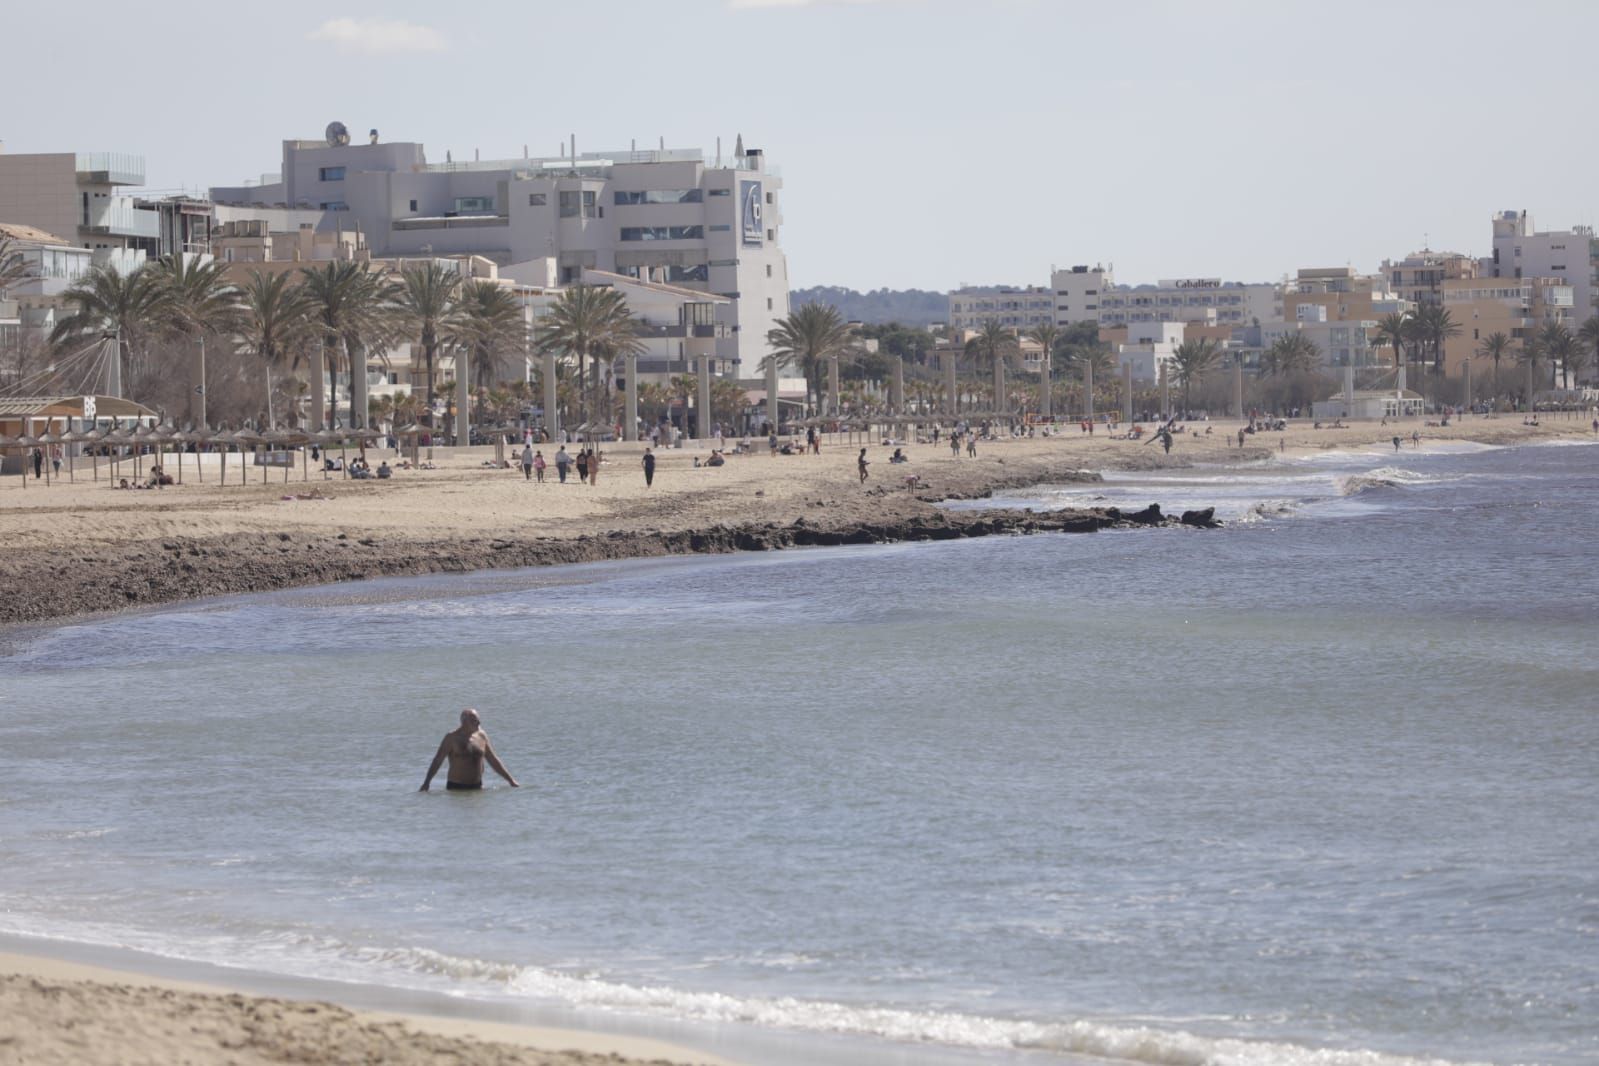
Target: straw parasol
[(6, 444), (276, 437), (196, 438), (116, 438), (48, 439), (142, 435)]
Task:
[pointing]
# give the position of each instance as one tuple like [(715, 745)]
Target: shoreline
[(81, 548), (57, 1009)]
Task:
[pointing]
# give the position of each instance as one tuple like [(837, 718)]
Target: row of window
[(663, 233), (658, 196)]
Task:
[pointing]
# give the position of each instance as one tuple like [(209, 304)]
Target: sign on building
[(749, 196)]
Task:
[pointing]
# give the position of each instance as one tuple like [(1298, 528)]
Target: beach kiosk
[(59, 416)]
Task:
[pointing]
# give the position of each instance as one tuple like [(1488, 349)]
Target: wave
[(1391, 477), (1108, 1040), (304, 954)]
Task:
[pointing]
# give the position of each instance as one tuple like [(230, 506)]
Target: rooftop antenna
[(663, 142), (524, 151), (574, 146), (477, 156), (738, 147)]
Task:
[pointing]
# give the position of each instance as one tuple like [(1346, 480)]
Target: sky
[(922, 143)]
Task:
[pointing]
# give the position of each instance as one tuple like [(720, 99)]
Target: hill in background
[(911, 307)]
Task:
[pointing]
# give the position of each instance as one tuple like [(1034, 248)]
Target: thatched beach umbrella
[(196, 438), (142, 435), (6, 444), (116, 439), (280, 439), (48, 440)]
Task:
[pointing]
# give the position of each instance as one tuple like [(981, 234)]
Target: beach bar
[(35, 416)]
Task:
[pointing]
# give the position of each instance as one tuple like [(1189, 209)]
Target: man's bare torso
[(465, 753)]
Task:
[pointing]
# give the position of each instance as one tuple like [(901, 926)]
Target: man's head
[(469, 718)]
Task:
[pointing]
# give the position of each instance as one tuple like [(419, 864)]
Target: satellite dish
[(338, 136)]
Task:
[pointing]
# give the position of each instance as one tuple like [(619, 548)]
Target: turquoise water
[(1317, 788)]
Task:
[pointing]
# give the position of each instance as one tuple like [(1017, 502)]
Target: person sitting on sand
[(898, 457), (384, 471), (716, 459), (466, 748)]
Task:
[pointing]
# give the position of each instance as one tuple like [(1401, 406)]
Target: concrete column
[(1238, 386), (1127, 392), (197, 383), (114, 370), (1349, 388), (832, 385), (463, 398), (896, 395), (1165, 394), (630, 368), (952, 400), (319, 386), (1046, 401), (999, 385), (1465, 371), (359, 418), (702, 414), (771, 392), (552, 418)]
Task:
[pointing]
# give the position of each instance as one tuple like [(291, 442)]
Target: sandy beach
[(80, 546), (54, 1012)]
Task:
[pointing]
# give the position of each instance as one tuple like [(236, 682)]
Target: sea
[(1320, 787)]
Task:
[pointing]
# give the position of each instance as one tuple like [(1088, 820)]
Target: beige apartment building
[(1419, 277), (1516, 307), (1342, 294)]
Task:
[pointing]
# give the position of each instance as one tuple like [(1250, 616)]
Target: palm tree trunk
[(359, 409), (319, 358)]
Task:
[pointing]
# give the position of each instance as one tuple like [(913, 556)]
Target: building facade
[(1017, 309), (1419, 277), (668, 216), (1077, 293), (1203, 300), (1520, 251)]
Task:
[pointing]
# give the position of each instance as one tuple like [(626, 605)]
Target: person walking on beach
[(562, 461), (583, 466), (861, 464), (38, 463), (594, 467), (954, 445), (971, 445), (527, 462), (1396, 444), (538, 467), (467, 748), (649, 468)]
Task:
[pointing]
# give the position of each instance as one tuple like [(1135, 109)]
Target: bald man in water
[(466, 748)]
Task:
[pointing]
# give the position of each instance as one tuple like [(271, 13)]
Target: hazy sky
[(922, 143)]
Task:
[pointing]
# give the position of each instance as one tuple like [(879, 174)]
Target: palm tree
[(809, 337), (1434, 325), (350, 305), (197, 302), (1495, 346), (1047, 335), (996, 342), (1393, 331), (1589, 335), (1532, 354), (1193, 360), (276, 318), (587, 321), (425, 304), (1291, 353), (490, 324), (1559, 345), (108, 304)]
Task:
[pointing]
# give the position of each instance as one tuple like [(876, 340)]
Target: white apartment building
[(1078, 291), (1150, 345), (53, 265), (1341, 342), (666, 216), (1018, 309), (1207, 301), (1520, 251)]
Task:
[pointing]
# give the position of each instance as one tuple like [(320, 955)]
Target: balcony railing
[(110, 168), (451, 222)]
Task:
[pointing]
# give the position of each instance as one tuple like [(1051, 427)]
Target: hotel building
[(1017, 309), (1519, 251), (665, 216)]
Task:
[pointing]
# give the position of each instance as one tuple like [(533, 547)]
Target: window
[(688, 273), (768, 270), (768, 303), (590, 203), (719, 192), (658, 196), (723, 263), (473, 204), (413, 205), (721, 229), (331, 174), (771, 235), (536, 199), (334, 205), (662, 233), (768, 197), (569, 203)]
